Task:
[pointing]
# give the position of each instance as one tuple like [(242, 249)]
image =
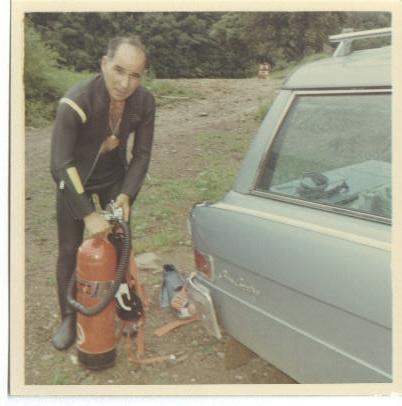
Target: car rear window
[(334, 149)]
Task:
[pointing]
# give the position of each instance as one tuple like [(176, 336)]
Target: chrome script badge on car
[(238, 283)]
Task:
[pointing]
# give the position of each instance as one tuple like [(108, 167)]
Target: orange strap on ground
[(161, 331), (140, 341), (138, 360)]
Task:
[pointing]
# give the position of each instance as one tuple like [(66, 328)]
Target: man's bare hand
[(96, 225), (123, 201)]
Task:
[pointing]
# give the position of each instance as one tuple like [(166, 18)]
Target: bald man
[(88, 155)]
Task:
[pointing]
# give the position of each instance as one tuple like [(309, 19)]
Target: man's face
[(123, 72)]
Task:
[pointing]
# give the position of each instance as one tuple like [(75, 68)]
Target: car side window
[(333, 149)]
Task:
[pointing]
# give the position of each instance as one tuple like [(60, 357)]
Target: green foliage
[(44, 81), (235, 56), (180, 45), (262, 109), (64, 79), (367, 20), (280, 38), (282, 73), (167, 92), (38, 113), (40, 62), (164, 202), (200, 44), (164, 88)]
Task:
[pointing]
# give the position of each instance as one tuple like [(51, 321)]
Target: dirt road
[(221, 105)]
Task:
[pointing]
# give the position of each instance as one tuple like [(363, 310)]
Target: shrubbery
[(180, 45), (40, 86)]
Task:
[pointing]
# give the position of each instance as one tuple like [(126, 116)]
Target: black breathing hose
[(120, 273)]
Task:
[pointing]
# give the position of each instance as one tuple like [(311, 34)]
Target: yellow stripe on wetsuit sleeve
[(75, 107), (75, 179)]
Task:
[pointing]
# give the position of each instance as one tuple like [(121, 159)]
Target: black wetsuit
[(78, 168)]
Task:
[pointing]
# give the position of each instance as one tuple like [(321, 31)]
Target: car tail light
[(203, 263)]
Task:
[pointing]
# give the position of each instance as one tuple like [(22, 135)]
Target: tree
[(39, 65), (201, 44), (280, 38), (39, 60)]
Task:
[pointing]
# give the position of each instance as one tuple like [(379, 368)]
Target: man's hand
[(96, 225), (123, 201)]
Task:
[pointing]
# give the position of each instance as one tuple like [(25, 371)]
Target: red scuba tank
[(96, 335)]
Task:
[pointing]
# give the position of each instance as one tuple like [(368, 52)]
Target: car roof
[(366, 68)]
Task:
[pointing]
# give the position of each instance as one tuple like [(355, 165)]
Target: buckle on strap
[(94, 289)]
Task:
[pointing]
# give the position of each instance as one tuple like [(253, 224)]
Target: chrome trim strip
[(306, 226), (275, 132), (378, 32), (321, 206), (343, 91), (346, 39)]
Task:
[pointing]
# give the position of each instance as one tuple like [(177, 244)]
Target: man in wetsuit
[(88, 155)]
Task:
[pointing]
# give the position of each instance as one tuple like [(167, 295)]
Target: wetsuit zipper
[(96, 161), (93, 164), (100, 148)]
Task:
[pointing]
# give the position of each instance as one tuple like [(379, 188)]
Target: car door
[(302, 271)]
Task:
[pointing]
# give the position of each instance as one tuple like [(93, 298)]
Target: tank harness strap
[(134, 282)]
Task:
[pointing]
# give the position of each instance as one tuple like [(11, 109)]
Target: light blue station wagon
[(296, 257)]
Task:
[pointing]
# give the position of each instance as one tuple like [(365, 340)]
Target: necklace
[(115, 115)]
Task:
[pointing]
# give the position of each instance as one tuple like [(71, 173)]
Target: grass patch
[(162, 208), (263, 106), (159, 212), (40, 112), (60, 377), (160, 87), (222, 151), (161, 240), (64, 79)]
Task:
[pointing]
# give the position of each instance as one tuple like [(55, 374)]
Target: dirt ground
[(200, 359)]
